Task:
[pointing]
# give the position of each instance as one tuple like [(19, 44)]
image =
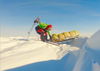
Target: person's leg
[(45, 36), (42, 36), (41, 32)]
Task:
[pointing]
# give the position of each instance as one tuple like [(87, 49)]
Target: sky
[(17, 16)]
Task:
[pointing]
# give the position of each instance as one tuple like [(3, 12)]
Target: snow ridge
[(81, 54)]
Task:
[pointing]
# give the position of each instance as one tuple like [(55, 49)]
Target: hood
[(49, 27)]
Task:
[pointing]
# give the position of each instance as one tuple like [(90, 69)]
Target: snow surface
[(89, 58), (81, 54)]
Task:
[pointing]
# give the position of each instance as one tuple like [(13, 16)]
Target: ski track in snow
[(18, 54)]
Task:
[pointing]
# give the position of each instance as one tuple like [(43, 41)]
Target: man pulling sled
[(43, 29)]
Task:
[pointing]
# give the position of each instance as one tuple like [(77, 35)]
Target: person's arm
[(37, 20)]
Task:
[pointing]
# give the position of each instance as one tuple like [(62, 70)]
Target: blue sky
[(17, 16)]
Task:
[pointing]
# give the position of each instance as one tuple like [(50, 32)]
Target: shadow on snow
[(66, 63)]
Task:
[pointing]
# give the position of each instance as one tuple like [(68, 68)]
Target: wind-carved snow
[(89, 59), (17, 54)]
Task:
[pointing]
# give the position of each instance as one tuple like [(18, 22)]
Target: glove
[(35, 21)]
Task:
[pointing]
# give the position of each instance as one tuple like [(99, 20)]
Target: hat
[(49, 27)]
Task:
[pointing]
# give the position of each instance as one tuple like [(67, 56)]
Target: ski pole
[(30, 31)]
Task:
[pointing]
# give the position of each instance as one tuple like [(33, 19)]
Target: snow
[(81, 54), (89, 58), (94, 41)]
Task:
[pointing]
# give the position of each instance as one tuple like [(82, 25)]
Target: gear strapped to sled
[(65, 36)]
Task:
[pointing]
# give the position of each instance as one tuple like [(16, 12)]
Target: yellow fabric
[(72, 33), (76, 33), (61, 37), (54, 36), (66, 34)]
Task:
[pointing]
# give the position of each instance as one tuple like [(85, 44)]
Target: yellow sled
[(65, 36)]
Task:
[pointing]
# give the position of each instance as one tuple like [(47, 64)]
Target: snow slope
[(74, 55), (89, 58)]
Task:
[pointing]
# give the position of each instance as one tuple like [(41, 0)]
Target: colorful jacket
[(43, 26)]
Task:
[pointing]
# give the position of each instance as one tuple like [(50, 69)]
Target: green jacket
[(43, 26)]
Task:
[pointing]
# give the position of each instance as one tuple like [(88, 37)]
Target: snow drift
[(89, 59), (81, 54)]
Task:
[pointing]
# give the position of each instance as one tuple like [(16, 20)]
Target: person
[(43, 29)]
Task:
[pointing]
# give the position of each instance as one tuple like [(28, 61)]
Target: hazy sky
[(17, 16)]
